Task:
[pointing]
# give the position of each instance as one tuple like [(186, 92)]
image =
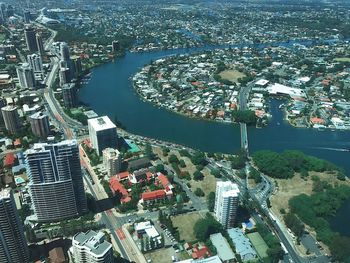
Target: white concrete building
[(91, 247), (56, 184), (112, 161), (226, 203), (103, 133), (26, 76)]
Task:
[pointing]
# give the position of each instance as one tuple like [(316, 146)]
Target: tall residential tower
[(226, 203), (13, 246), (56, 183)]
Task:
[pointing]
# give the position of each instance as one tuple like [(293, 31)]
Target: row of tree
[(285, 164)]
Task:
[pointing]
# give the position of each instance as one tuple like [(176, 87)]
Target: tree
[(211, 201), (204, 227), (198, 176), (294, 223), (199, 192), (198, 158), (160, 168), (148, 151), (173, 159), (340, 248), (216, 173), (245, 116)]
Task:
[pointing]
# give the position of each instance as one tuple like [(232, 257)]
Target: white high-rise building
[(26, 76), (226, 203), (56, 184), (103, 133), (13, 246), (35, 63), (91, 247), (112, 161)]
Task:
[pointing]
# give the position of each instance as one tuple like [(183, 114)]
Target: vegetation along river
[(110, 92)]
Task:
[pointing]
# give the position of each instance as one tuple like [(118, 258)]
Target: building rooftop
[(242, 244), (157, 194), (5, 193), (93, 241), (222, 247), (38, 115), (101, 123)]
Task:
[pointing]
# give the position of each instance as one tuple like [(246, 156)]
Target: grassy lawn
[(208, 184), (185, 224), (259, 244), (161, 255), (232, 75), (342, 59), (288, 188)]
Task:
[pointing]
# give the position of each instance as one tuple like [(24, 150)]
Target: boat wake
[(332, 149)]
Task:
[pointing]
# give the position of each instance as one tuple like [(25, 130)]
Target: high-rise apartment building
[(40, 44), (35, 62), (40, 125), (11, 118), (26, 76), (226, 203), (103, 133), (64, 52), (112, 161), (29, 34), (69, 95), (92, 247), (65, 76), (13, 246), (56, 184)]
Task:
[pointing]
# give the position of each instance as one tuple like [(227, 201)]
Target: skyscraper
[(226, 203), (40, 45), (64, 75), (11, 118), (27, 16), (26, 76), (69, 94), (64, 51), (103, 133), (39, 123), (92, 247), (29, 35), (56, 184), (13, 246), (35, 62), (112, 161)]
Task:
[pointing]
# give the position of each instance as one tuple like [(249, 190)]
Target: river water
[(110, 92)]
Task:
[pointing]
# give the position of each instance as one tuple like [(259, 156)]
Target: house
[(117, 187), (242, 244), (200, 252), (223, 249), (149, 197), (9, 160), (123, 176), (138, 176)]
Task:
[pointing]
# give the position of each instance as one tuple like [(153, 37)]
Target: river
[(110, 92)]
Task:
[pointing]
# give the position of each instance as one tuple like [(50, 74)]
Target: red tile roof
[(9, 160), (163, 180), (116, 186), (200, 253), (154, 195), (123, 175)]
